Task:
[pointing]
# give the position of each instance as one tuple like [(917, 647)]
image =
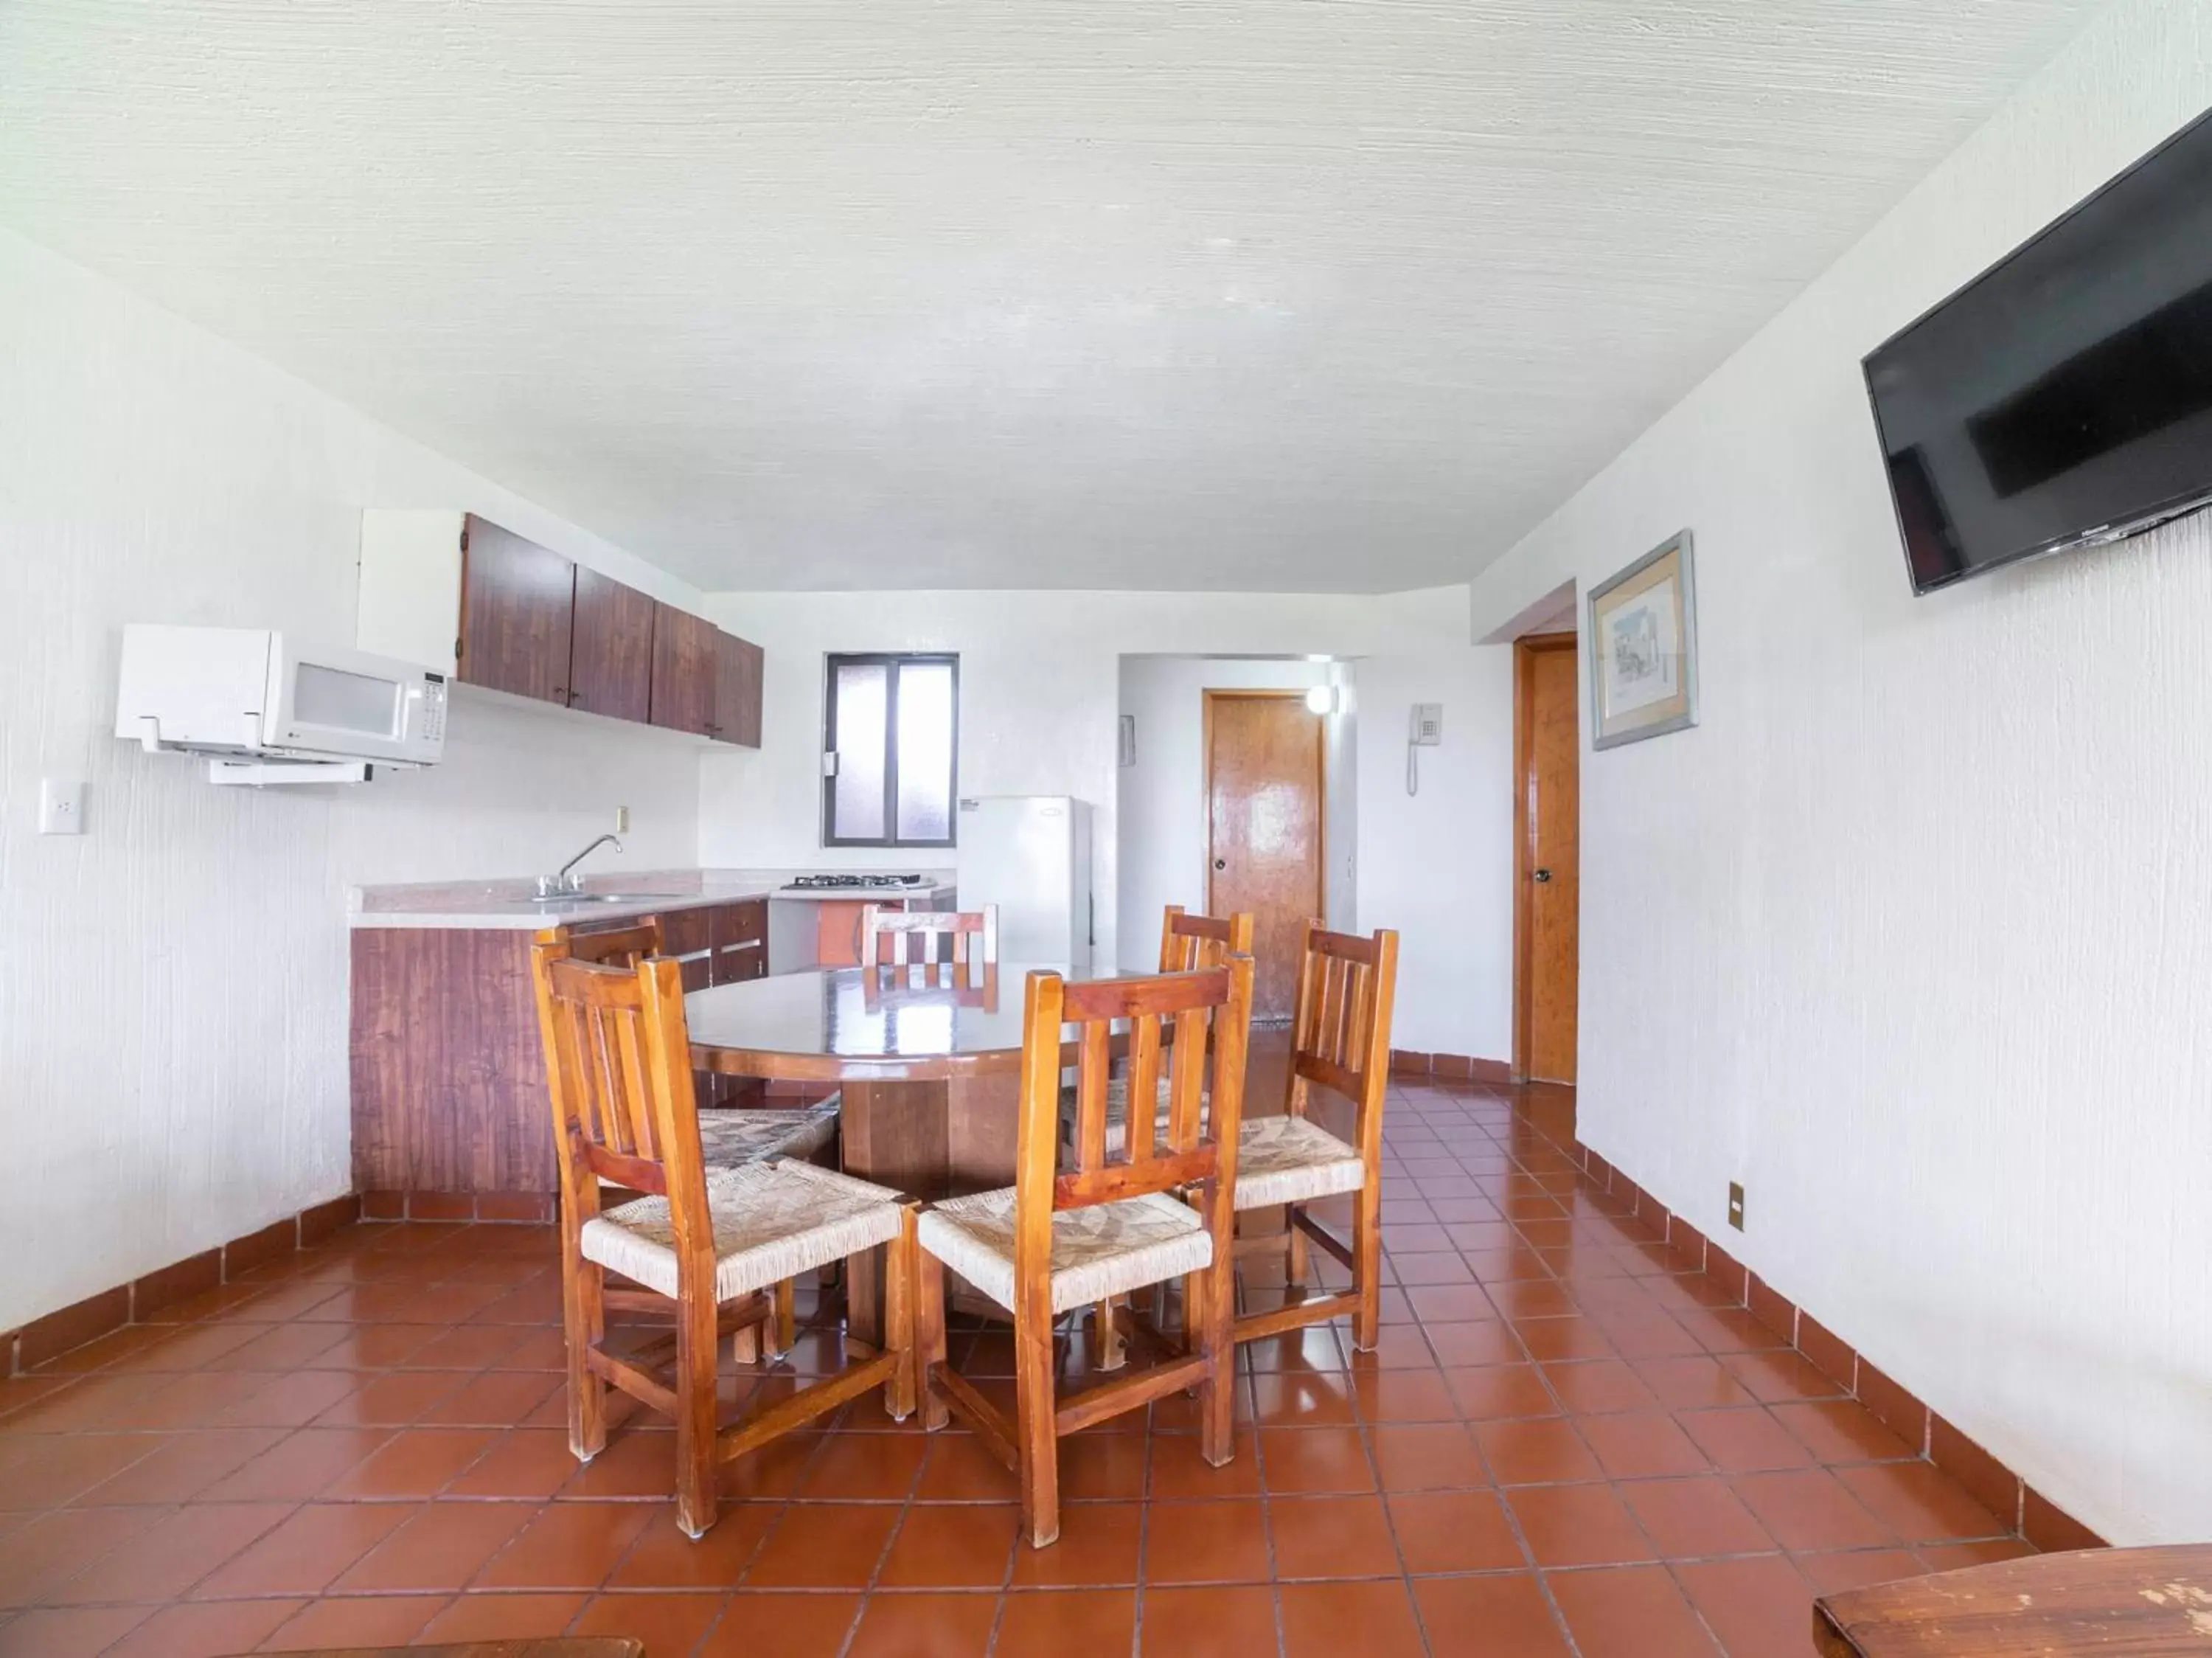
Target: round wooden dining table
[(927, 1063)]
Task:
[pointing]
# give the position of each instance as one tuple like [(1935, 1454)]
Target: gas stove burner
[(873, 883)]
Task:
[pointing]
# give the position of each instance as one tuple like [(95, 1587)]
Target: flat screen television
[(2064, 396)]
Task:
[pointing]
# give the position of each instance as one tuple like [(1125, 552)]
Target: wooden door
[(683, 670), (518, 604), (1548, 767), (610, 657), (1264, 834), (737, 716)]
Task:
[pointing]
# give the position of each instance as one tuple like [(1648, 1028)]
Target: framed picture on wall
[(1644, 647)]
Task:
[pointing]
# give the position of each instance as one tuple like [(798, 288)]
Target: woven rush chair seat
[(1289, 1160), (772, 1221), (732, 1135), (1280, 1159), (1108, 1249)]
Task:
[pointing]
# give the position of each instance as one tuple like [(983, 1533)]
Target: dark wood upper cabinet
[(683, 671), (518, 601), (610, 666), (534, 624), (738, 668)]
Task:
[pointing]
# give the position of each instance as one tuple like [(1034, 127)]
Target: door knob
[(1543, 875), (1221, 863)]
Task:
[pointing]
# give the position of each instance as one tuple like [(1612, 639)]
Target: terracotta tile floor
[(1561, 1448)]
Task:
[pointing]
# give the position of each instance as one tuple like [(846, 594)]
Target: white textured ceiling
[(1276, 294)]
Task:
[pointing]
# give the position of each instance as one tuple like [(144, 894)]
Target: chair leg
[(1034, 1430), (1367, 1264), (584, 1319), (1209, 1313), (928, 1337), (1112, 1352), (784, 1321), (898, 1318), (695, 1499), (1294, 1246), (745, 1343)]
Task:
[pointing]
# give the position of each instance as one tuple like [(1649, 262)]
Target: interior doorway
[(1546, 856), (1266, 793)]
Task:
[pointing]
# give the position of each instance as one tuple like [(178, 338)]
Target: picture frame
[(1644, 647)]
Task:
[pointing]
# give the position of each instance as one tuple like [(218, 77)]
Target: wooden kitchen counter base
[(447, 1071)]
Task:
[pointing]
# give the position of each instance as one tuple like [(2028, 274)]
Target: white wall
[(1910, 933), (1161, 806), (1438, 865), (1039, 687), (172, 1014)]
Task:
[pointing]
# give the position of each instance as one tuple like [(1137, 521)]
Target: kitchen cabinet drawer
[(740, 949), (687, 932), (741, 923), (518, 605), (739, 964), (610, 651)]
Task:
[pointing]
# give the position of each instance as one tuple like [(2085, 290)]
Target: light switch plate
[(1736, 1205), (622, 820), (61, 807)]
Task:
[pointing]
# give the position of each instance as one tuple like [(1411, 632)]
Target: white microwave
[(252, 692)]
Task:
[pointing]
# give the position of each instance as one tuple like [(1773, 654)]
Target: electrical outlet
[(61, 807), (1736, 1205), (622, 820)]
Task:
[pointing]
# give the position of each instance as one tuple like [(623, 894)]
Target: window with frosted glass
[(891, 730)]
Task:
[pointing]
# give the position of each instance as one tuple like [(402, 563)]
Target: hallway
[(1561, 1447)]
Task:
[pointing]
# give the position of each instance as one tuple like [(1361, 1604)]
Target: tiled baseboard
[(1451, 1067), (523, 1207), (142, 1300), (1984, 1477)]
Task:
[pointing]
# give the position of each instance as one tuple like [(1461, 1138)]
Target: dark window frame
[(896, 661)]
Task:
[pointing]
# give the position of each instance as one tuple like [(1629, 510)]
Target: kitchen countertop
[(511, 904)]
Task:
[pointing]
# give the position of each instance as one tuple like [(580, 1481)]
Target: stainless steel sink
[(612, 898)]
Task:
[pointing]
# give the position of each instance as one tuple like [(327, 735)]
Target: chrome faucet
[(568, 881)]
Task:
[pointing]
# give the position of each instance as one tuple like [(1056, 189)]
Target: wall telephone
[(1424, 730)]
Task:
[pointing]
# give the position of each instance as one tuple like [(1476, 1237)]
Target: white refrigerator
[(1030, 855)]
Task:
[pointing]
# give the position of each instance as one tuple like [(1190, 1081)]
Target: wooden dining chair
[(709, 1246), (1340, 1040), (728, 1135), (904, 938), (1072, 1232), (1189, 941)]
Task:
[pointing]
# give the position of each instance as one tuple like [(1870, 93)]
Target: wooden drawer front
[(686, 932), (741, 923), (740, 963)]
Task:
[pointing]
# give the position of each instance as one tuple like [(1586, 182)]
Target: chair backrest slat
[(935, 939), (1189, 941), (1197, 1146), (1340, 1023), (1094, 1057)]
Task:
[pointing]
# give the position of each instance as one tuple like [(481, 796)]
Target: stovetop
[(873, 883)]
